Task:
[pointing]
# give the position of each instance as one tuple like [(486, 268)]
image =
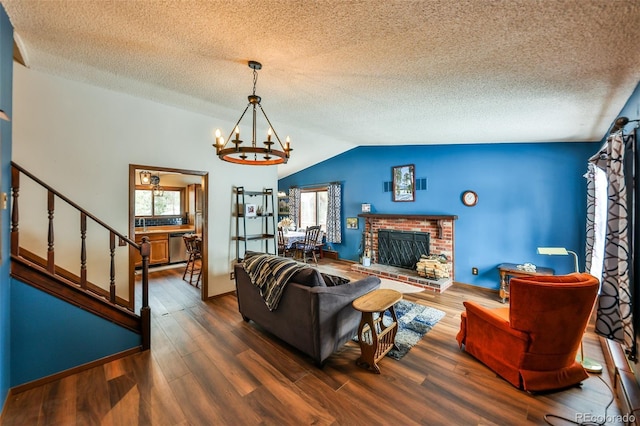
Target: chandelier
[(254, 155)]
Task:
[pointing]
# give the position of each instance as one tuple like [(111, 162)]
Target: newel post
[(51, 262), (145, 311), (15, 192)]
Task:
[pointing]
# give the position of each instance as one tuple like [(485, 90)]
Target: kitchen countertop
[(164, 229)]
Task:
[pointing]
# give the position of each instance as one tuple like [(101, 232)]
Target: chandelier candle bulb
[(269, 135), (218, 144), (237, 132)]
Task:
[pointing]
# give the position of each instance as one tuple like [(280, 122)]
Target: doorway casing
[(204, 289)]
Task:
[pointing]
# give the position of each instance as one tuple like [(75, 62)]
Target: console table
[(375, 337), (508, 270)]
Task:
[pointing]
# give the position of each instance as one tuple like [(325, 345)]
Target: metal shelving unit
[(265, 211)]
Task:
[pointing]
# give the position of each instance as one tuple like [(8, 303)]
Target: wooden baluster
[(15, 190), (50, 252), (83, 250), (145, 311), (112, 274)]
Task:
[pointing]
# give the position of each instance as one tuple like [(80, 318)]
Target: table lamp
[(588, 364), (560, 251)]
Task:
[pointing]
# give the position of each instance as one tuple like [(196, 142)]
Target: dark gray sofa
[(311, 317)]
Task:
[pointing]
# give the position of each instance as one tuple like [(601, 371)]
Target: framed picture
[(250, 210), (283, 208), (352, 223), (404, 183)]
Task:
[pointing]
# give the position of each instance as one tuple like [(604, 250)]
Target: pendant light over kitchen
[(146, 178), (253, 155)]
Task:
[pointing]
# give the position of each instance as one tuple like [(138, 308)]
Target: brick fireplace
[(440, 229)]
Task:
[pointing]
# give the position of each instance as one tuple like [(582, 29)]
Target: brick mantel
[(439, 219)]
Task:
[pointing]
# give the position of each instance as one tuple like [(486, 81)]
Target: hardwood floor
[(207, 366)]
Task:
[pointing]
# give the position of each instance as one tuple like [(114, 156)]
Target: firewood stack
[(433, 267)]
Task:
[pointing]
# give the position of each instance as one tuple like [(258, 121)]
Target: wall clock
[(469, 198)]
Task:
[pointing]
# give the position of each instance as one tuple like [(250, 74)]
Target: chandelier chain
[(255, 80)]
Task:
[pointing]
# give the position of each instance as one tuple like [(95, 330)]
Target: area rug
[(414, 321)]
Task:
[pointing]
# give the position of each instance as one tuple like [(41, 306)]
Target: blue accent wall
[(49, 335), (6, 102), (530, 195)]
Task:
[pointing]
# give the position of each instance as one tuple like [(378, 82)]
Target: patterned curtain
[(294, 205), (334, 223), (614, 317), (591, 214)]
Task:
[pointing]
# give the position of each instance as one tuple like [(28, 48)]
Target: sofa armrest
[(492, 318), (333, 299), (337, 320), (489, 335), (334, 303)]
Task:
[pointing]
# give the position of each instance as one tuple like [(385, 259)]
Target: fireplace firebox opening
[(402, 248)]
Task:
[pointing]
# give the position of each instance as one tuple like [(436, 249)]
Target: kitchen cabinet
[(194, 206), (159, 249), (195, 197)]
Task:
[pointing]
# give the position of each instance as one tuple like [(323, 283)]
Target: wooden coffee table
[(376, 338)]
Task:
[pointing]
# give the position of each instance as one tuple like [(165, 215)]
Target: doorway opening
[(164, 204)]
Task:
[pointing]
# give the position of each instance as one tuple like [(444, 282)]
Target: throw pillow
[(334, 280), (308, 276)]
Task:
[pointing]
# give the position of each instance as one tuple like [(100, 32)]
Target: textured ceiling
[(339, 74)]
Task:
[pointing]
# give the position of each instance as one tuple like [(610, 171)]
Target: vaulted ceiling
[(339, 74)]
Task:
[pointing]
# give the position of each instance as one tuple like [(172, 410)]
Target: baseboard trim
[(625, 384), (215, 296), (48, 379)]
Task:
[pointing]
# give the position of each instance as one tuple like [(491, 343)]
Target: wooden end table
[(508, 270), (375, 337)]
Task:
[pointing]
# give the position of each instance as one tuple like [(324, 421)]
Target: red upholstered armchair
[(533, 343)]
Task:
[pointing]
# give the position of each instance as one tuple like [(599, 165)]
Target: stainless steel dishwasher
[(177, 248)]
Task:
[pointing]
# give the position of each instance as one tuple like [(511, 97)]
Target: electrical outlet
[(474, 270), (232, 276)]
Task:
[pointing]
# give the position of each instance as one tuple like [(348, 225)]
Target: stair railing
[(144, 248)]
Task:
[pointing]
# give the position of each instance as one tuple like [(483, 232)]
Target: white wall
[(81, 139)]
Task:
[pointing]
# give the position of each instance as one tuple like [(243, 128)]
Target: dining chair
[(193, 244), (307, 248), (282, 243)]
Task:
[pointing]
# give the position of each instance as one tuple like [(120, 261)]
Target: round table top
[(377, 300)]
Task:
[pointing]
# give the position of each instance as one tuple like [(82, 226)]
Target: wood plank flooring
[(208, 367)]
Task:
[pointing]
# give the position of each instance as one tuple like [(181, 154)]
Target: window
[(168, 204), (313, 208)]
